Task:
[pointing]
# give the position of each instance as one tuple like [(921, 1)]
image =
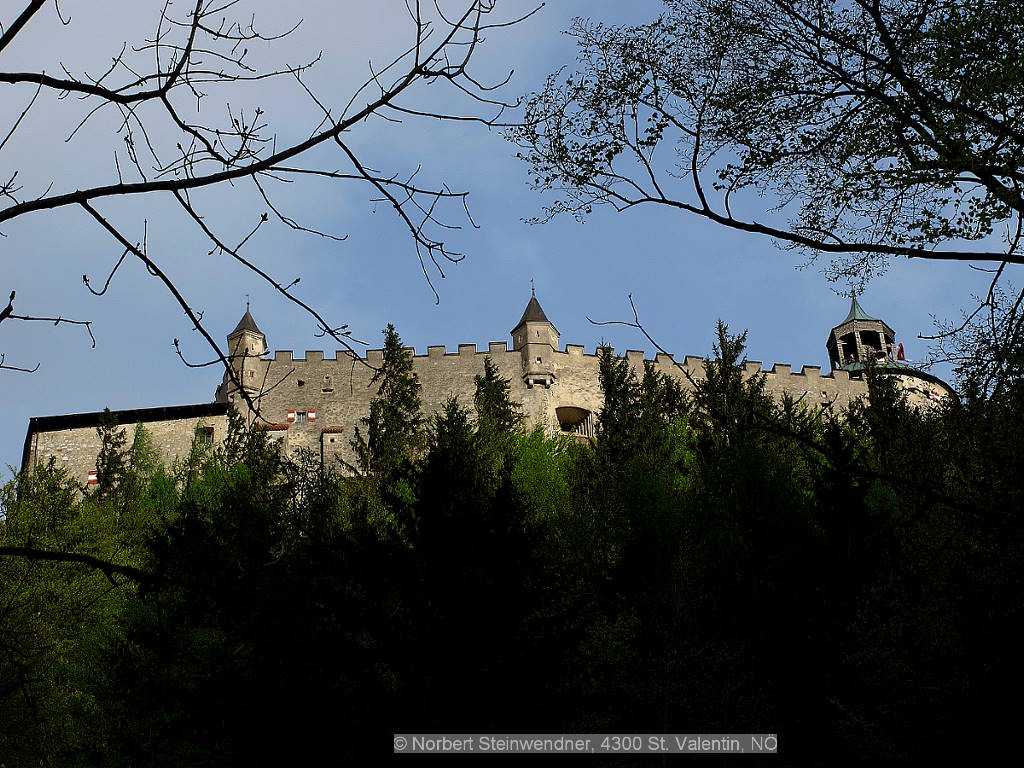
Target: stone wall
[(922, 391), (327, 398), (338, 389), (74, 443)]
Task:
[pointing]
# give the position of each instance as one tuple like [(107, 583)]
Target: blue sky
[(684, 273)]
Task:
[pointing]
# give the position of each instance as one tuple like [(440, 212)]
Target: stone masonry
[(315, 402), (73, 442)]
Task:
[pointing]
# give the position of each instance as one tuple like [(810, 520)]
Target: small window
[(327, 384), (538, 361), (301, 417), (204, 435), (301, 382), (252, 374), (330, 440), (538, 334)]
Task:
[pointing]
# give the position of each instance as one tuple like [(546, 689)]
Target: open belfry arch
[(861, 341), (860, 338), (314, 402)]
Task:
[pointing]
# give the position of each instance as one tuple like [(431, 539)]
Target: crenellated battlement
[(694, 365), (315, 402), (316, 393)]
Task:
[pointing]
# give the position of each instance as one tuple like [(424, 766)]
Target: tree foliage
[(883, 127), (386, 455), (496, 412), (393, 426), (713, 557), (861, 130), (112, 460)]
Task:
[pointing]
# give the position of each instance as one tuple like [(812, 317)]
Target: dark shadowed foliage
[(711, 561)]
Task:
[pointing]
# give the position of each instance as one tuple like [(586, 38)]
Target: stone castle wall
[(75, 448), (338, 389), (316, 403)]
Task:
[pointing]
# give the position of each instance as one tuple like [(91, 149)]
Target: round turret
[(536, 339), (246, 344), (861, 340)]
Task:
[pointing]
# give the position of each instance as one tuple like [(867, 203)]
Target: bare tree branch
[(12, 31), (177, 145)]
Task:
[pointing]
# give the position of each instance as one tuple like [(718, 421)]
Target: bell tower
[(536, 339), (860, 339)]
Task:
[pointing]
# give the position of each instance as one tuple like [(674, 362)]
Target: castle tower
[(860, 338), (536, 339), (246, 344)]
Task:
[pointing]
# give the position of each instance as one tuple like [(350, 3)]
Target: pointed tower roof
[(857, 312), (246, 324), (533, 313)]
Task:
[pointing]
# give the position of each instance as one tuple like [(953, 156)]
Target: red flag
[(899, 352)]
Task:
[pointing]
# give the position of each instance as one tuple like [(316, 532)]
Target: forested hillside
[(716, 562)]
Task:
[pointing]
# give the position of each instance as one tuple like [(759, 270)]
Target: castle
[(315, 402)]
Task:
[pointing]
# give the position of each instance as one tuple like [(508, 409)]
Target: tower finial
[(247, 302), (533, 292)]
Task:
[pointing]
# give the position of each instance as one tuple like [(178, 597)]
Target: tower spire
[(246, 344), (536, 339)]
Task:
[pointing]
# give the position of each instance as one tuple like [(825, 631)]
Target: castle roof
[(533, 314), (857, 312), (246, 324)]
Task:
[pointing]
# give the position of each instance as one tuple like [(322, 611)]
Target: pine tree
[(144, 456), (393, 428), (496, 412), (386, 455), (635, 412), (618, 415), (730, 404), (112, 461)]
